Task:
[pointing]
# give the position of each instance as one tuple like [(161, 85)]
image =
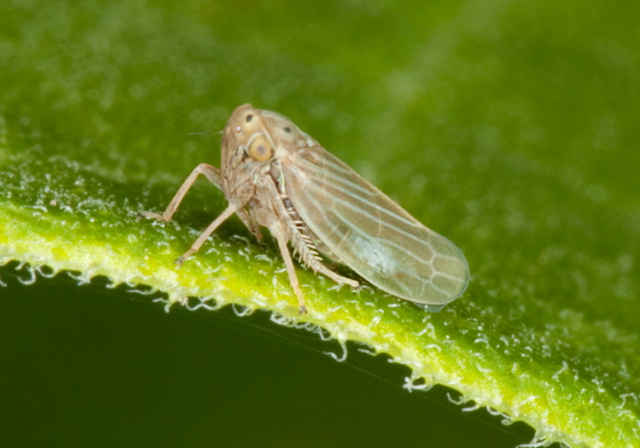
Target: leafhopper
[(276, 176)]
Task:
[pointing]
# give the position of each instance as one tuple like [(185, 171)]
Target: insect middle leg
[(316, 266), (230, 210), (280, 235), (214, 176)]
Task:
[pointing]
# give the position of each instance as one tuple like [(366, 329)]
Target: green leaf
[(509, 128)]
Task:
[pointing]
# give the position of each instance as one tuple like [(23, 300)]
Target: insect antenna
[(206, 132)]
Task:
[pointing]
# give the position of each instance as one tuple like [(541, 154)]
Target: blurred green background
[(89, 367), (511, 128)]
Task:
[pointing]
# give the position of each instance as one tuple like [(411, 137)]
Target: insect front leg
[(209, 171)]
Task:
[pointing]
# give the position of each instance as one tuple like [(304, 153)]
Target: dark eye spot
[(287, 129), (248, 118), (261, 150)]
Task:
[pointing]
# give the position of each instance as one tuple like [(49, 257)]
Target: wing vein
[(370, 233)]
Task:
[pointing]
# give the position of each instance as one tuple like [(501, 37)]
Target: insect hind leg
[(318, 266)]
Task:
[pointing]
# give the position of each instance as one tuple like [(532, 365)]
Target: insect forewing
[(370, 233)]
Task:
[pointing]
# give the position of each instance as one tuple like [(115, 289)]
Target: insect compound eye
[(260, 149)]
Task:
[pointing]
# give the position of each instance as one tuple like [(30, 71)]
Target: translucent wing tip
[(451, 276), (431, 308)]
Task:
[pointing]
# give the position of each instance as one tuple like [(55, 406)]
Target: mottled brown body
[(275, 175), (256, 191)]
